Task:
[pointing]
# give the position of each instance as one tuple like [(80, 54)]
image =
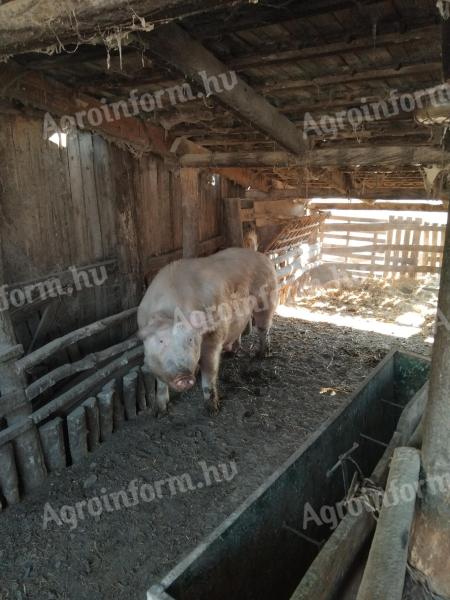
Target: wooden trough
[(266, 547)]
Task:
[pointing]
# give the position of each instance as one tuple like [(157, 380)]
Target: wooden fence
[(398, 247), (66, 408), (295, 251)]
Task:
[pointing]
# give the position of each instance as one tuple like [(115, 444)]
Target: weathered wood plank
[(52, 440), (71, 338), (190, 194)]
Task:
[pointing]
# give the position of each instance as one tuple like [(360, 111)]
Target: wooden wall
[(83, 204)]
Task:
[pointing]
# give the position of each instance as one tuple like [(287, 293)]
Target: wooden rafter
[(265, 59), (325, 157), (176, 47)]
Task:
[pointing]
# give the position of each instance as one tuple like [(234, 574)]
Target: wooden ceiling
[(299, 57)]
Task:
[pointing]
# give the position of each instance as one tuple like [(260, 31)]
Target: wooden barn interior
[(134, 133)]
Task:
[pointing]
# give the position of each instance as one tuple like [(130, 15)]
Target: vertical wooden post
[(27, 446), (233, 222), (190, 198), (431, 548)]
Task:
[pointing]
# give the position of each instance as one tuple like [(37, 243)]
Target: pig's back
[(196, 283)]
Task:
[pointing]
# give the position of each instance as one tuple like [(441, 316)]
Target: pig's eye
[(161, 342), (190, 340)]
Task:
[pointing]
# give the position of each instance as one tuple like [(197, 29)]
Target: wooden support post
[(190, 198), (233, 222), (77, 428), (27, 446), (384, 575), (149, 385), (431, 541), (9, 481), (106, 411), (118, 410), (130, 382), (141, 399), (52, 439), (92, 422)]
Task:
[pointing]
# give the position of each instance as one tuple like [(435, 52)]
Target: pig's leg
[(162, 397), (209, 366), (263, 322)]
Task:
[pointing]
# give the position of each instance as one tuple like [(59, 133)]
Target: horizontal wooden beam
[(363, 156), (174, 46), (379, 248), (313, 190), (292, 85), (246, 178), (369, 267), (382, 226), (46, 351), (155, 263), (27, 26), (391, 206), (264, 59)]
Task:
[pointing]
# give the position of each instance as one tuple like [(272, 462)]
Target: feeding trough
[(263, 550)]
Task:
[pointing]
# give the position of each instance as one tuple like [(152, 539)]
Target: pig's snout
[(182, 383)]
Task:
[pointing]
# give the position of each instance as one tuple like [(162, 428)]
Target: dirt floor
[(270, 408)]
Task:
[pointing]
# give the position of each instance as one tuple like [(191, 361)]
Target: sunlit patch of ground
[(399, 308)]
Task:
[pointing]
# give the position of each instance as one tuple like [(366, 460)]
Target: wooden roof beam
[(292, 85), (265, 59), (391, 156), (176, 47)]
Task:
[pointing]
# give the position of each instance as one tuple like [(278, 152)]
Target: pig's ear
[(153, 324), (146, 331)]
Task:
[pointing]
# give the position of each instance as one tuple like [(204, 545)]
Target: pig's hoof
[(159, 410), (212, 401), (213, 409)]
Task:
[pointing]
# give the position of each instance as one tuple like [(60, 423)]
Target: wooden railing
[(392, 248), (72, 407)]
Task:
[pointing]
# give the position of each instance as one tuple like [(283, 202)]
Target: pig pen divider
[(70, 407)]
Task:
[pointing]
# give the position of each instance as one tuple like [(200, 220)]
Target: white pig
[(195, 308)]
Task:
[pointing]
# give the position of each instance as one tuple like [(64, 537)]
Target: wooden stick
[(149, 385), (9, 481), (73, 395), (384, 575), (141, 398), (118, 410), (130, 382), (30, 459), (85, 387), (77, 428), (46, 351), (91, 361), (106, 411), (52, 440), (93, 423)]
